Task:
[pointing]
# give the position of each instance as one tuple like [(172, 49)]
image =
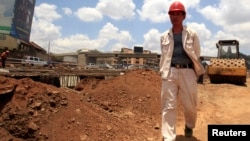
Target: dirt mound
[(119, 108), (136, 92), (27, 107)]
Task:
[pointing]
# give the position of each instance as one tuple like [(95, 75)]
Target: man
[(180, 69), (4, 56)]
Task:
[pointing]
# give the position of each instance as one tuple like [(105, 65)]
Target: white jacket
[(191, 45)]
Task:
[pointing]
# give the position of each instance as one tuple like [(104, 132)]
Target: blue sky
[(108, 25)]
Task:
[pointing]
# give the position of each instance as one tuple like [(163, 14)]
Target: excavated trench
[(61, 78)]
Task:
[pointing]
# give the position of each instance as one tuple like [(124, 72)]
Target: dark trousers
[(200, 80), (3, 63)]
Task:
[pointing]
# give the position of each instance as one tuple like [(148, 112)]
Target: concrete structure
[(20, 48), (125, 57)]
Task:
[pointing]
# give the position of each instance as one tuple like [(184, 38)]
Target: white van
[(91, 66)]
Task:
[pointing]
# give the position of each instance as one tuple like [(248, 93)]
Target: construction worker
[(180, 68), (4, 56)]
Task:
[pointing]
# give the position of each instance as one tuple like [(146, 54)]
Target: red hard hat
[(176, 6)]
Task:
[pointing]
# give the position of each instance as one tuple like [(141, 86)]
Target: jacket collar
[(170, 31)]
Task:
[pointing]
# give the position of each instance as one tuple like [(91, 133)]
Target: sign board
[(6, 15), (138, 49), (16, 18)]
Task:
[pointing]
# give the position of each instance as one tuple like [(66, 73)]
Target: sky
[(66, 26)]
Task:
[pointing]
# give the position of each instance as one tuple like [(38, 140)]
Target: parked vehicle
[(105, 66), (228, 67), (91, 66), (132, 66), (34, 61)]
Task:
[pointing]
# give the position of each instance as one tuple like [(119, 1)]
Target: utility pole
[(49, 52)]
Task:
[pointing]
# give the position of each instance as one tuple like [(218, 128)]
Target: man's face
[(177, 17)]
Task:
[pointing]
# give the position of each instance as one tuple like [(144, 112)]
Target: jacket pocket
[(189, 45), (165, 45)]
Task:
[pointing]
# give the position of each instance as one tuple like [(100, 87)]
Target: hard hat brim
[(176, 10)]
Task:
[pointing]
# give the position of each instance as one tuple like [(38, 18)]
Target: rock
[(33, 126)]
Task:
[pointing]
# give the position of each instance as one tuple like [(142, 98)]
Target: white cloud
[(119, 9), (112, 34), (227, 12), (88, 14), (73, 43), (207, 41), (117, 46), (47, 12), (155, 11), (201, 30), (67, 11), (109, 36), (43, 29), (152, 40)]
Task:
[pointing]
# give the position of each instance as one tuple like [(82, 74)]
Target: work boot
[(188, 131)]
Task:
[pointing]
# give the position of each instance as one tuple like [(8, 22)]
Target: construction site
[(106, 105)]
